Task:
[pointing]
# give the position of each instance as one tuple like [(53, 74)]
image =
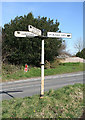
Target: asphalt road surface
[(29, 87)]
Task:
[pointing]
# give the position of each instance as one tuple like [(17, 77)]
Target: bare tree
[(62, 48), (79, 45)]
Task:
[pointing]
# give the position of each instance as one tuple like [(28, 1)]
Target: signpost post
[(34, 32), (42, 71)]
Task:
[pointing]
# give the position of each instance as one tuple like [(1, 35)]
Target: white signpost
[(59, 35), (33, 32), (24, 34)]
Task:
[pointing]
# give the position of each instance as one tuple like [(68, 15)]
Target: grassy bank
[(11, 72), (66, 102)]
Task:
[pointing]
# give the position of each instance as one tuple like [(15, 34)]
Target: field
[(12, 72), (66, 102)]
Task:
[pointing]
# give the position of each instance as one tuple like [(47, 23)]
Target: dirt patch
[(73, 59)]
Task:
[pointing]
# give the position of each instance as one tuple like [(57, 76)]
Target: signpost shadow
[(7, 92)]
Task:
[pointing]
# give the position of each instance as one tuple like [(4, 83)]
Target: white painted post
[(42, 71)]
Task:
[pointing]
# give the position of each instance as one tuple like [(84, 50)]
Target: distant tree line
[(28, 50), (81, 54)]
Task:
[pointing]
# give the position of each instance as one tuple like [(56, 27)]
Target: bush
[(81, 54), (70, 64), (47, 65), (55, 63), (28, 50)]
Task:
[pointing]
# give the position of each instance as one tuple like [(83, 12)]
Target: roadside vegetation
[(12, 72), (66, 102)]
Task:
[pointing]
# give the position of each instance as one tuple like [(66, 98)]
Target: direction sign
[(24, 34), (34, 30), (58, 35)]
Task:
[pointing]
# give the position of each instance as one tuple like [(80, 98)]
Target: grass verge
[(66, 102), (11, 72)]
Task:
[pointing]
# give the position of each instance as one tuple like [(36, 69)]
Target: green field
[(12, 72), (66, 102)]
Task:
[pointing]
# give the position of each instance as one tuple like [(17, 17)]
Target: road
[(29, 87)]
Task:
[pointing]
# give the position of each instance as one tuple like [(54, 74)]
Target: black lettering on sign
[(68, 35), (18, 32)]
